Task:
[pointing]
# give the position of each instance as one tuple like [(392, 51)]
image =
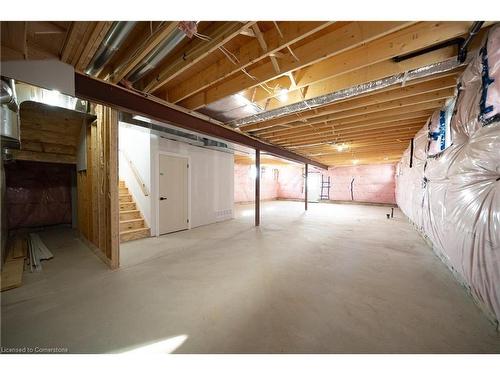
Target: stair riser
[(130, 215), (135, 236), (133, 225), (123, 190), (121, 184), (127, 206)]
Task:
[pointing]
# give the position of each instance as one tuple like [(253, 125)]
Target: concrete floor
[(337, 279)]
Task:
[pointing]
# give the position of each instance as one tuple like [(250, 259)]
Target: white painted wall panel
[(211, 181)]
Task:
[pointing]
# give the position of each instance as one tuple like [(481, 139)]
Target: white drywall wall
[(134, 141), (211, 181)]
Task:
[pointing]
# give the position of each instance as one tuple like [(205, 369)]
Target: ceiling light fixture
[(341, 147), (283, 95)]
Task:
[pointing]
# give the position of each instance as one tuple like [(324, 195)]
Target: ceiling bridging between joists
[(273, 65)]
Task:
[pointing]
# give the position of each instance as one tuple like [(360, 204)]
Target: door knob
[(163, 198)]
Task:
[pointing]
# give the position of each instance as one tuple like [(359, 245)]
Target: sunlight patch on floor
[(159, 347)]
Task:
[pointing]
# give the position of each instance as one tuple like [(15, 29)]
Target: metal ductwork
[(462, 52), (157, 55), (112, 42), (175, 134), (9, 114), (351, 92)]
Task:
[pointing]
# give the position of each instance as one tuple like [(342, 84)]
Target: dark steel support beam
[(122, 99), (305, 187), (257, 187)]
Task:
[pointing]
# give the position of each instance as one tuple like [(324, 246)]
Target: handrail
[(136, 174)]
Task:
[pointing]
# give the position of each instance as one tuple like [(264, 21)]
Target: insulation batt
[(288, 183), (454, 197), (370, 183)]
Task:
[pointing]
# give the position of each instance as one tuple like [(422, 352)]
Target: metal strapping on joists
[(363, 88)]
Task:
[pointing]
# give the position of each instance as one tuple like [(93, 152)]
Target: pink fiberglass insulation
[(277, 181), (244, 183), (453, 198), (368, 183), (291, 182)]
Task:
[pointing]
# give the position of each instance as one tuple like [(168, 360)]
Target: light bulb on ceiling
[(283, 95), (341, 147)]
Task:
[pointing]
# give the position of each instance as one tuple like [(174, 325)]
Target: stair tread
[(129, 220), (127, 202), (133, 230)]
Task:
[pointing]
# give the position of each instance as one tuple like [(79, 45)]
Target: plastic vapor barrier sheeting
[(449, 186)]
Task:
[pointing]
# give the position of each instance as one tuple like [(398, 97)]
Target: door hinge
[(187, 220), (188, 165)]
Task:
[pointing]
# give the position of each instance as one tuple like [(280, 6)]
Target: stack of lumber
[(22, 249), (37, 252), (12, 270)]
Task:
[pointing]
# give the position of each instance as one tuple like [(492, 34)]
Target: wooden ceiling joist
[(328, 139), (199, 50), (144, 49), (338, 40), (350, 79), (393, 139), (410, 39), (271, 64), (247, 54), (366, 74), (388, 132), (352, 117), (93, 43), (394, 93), (365, 125)]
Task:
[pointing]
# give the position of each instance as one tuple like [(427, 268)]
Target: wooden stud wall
[(98, 209)]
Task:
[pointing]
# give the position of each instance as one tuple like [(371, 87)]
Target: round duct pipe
[(112, 42)]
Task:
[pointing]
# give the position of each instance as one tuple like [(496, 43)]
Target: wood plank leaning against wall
[(98, 206)]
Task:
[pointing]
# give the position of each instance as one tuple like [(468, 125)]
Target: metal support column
[(305, 186), (257, 187)]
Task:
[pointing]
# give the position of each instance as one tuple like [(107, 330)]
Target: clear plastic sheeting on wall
[(439, 129), (453, 198), (37, 194)]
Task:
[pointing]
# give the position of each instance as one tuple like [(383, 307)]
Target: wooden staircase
[(132, 224)]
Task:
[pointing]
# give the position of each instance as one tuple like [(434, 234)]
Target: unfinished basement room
[(250, 187)]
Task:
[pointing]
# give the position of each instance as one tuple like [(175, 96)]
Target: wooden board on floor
[(19, 249), (12, 274)]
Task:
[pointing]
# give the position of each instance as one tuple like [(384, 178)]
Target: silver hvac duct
[(350, 92), (157, 55), (112, 42), (9, 114)]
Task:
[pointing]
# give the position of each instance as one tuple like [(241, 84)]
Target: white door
[(173, 194), (313, 187)]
